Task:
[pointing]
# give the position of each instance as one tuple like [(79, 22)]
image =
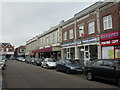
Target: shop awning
[(49, 49)]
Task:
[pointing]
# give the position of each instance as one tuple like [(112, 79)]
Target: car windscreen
[(39, 59), (51, 60), (68, 62)]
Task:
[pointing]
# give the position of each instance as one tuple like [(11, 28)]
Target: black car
[(27, 60), (103, 69), (68, 66), (38, 61)]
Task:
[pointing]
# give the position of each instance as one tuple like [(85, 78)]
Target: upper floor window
[(21, 50), (65, 35), (81, 30), (91, 27), (7, 49), (71, 34), (107, 22)]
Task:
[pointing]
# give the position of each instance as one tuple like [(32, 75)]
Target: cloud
[(23, 20)]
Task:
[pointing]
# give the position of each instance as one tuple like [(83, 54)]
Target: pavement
[(1, 80)]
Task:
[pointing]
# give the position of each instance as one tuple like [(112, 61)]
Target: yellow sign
[(110, 54), (117, 53)]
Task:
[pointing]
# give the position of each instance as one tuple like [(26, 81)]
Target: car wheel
[(3, 68), (89, 76), (119, 82), (57, 69), (67, 71), (47, 66)]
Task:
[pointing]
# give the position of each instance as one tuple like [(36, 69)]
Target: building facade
[(93, 33), (95, 29), (110, 31), (7, 50), (31, 45), (46, 44), (20, 51)]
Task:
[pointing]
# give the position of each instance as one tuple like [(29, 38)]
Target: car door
[(109, 70), (59, 65), (44, 62), (62, 65), (97, 68)]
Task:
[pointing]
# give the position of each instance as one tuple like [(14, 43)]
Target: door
[(97, 68)]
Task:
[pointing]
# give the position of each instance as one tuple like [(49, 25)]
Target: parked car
[(103, 69), (32, 60), (38, 61), (49, 63), (2, 63), (27, 61), (68, 66), (21, 59)]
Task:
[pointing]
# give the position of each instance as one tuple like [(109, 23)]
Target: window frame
[(65, 36), (91, 27), (81, 31), (106, 21), (71, 34)]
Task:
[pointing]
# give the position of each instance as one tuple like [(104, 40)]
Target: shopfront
[(88, 49), (110, 45), (48, 52), (68, 50)]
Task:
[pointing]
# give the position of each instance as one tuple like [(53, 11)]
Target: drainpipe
[(98, 28), (76, 48)]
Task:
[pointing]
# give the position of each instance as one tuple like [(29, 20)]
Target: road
[(21, 75)]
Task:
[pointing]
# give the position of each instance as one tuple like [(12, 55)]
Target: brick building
[(92, 33), (20, 51), (96, 33), (110, 31), (7, 50)]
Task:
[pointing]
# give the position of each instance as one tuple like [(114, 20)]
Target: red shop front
[(110, 45)]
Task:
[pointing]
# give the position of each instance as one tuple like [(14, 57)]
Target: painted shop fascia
[(110, 44), (79, 42)]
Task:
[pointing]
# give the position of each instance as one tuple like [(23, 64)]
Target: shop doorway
[(93, 49)]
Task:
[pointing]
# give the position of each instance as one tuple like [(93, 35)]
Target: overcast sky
[(20, 21)]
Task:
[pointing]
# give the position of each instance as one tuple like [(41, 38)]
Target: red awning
[(43, 50), (31, 54)]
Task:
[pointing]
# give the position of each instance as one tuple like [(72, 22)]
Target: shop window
[(108, 52), (86, 48), (87, 54), (117, 53), (68, 53), (91, 27), (107, 22)]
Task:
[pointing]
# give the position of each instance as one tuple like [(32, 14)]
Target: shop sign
[(110, 42), (78, 42), (56, 49), (90, 40), (110, 35), (68, 44)]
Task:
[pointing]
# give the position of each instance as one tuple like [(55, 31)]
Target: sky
[(21, 21)]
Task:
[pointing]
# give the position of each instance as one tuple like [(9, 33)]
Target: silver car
[(2, 63), (49, 63)]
